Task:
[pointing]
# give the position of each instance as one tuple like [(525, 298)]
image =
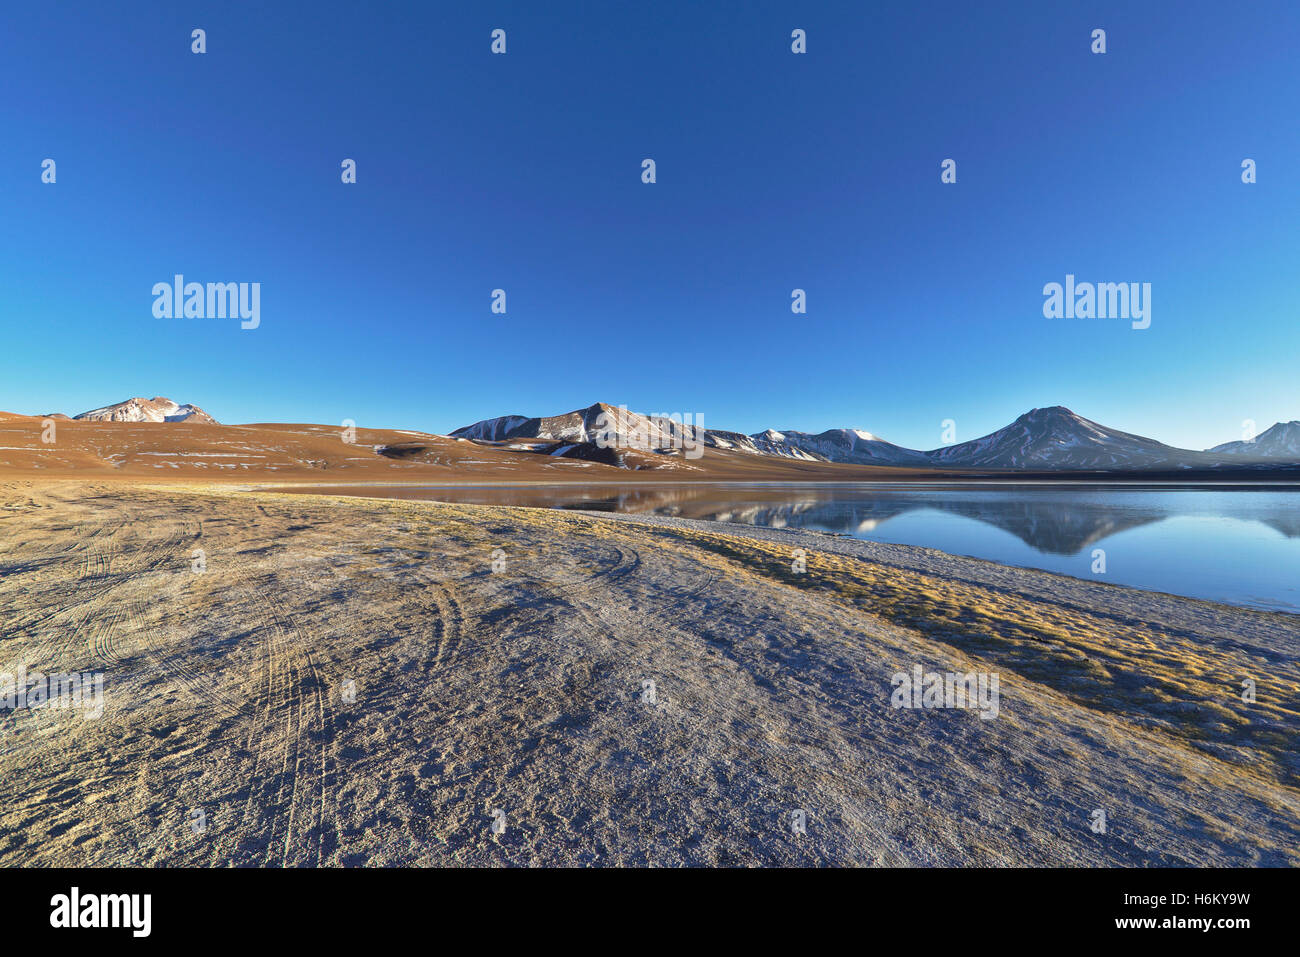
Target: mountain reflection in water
[(1060, 520)]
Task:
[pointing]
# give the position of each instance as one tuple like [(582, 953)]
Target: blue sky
[(775, 171)]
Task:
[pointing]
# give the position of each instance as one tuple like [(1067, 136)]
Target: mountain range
[(1049, 439)]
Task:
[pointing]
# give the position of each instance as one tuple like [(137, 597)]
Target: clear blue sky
[(775, 171)]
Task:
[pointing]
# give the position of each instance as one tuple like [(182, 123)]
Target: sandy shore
[(359, 681)]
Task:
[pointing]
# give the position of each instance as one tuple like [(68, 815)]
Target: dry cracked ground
[(360, 681)]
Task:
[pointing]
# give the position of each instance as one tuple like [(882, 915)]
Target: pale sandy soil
[(521, 690)]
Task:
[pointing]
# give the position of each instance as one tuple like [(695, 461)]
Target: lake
[(1229, 544)]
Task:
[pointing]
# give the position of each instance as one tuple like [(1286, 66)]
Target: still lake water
[(1229, 544)]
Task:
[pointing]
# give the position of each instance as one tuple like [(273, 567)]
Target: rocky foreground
[(315, 681)]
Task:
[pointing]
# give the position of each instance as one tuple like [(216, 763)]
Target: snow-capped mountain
[(499, 429), (1056, 438), (736, 442), (156, 409), (837, 445), (1282, 441), (599, 433), (740, 442), (599, 423)]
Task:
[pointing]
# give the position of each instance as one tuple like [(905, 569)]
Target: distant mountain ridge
[(1041, 440), (1047, 439), (839, 445), (1281, 441)]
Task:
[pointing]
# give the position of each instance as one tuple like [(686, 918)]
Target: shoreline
[(638, 501)]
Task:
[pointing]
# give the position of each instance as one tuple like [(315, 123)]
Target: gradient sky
[(775, 171)]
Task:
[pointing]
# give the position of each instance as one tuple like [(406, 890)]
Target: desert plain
[(333, 679), (352, 680)]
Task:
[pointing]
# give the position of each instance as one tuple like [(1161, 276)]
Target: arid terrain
[(160, 451), (322, 680)]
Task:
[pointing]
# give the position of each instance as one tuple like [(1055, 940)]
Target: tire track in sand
[(285, 792)]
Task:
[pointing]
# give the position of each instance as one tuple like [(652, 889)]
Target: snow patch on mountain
[(837, 445)]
